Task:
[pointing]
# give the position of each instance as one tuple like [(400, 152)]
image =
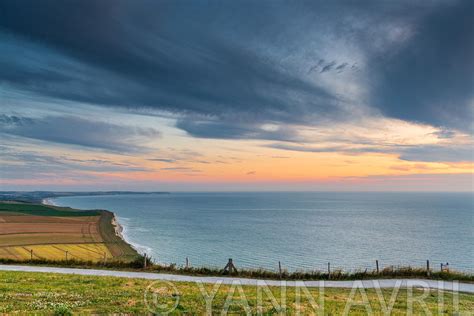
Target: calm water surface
[(303, 230)]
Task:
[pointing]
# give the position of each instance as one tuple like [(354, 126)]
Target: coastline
[(48, 201), (141, 249), (117, 225)]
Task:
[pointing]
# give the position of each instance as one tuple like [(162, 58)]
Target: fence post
[(144, 261), (329, 270), (279, 268), (427, 267), (230, 267), (31, 254), (377, 264), (187, 263), (66, 255)]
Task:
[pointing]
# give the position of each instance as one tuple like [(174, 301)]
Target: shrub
[(62, 310)]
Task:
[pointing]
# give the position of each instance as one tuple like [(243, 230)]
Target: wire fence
[(328, 267), (234, 264)]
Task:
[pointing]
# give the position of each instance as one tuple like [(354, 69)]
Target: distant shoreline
[(39, 196), (48, 201)]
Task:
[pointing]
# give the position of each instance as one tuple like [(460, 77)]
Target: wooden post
[(230, 267), (144, 261), (66, 255), (329, 270), (427, 267), (279, 268), (377, 264), (187, 263), (31, 254)]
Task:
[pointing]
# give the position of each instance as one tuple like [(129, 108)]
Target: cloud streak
[(78, 132)]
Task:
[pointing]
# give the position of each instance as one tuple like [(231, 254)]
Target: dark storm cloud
[(152, 54), (77, 131), (235, 130), (229, 59), (432, 78)]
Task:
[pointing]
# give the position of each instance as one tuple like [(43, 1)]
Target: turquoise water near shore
[(303, 230)]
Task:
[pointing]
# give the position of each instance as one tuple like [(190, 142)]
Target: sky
[(236, 95)]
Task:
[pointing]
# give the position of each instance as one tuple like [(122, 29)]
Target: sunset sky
[(236, 95)]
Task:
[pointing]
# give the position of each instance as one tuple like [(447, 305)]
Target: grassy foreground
[(40, 293)]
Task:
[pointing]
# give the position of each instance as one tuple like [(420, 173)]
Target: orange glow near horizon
[(183, 159), (299, 167)]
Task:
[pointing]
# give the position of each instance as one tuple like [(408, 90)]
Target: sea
[(301, 230)]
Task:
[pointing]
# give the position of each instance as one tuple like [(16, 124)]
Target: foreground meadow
[(45, 293)]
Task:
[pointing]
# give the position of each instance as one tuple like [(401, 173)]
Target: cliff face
[(111, 232)]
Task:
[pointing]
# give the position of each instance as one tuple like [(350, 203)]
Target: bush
[(62, 310)]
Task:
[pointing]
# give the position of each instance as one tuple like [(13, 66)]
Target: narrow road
[(382, 283)]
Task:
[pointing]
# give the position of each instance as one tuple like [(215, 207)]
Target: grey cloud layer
[(426, 153), (19, 163), (77, 131), (260, 61), (432, 78), (116, 54), (439, 153), (237, 129)]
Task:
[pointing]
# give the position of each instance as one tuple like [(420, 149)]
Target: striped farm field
[(85, 252), (31, 231)]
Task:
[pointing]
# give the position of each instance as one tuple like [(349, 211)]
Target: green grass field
[(43, 210), (42, 293)]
